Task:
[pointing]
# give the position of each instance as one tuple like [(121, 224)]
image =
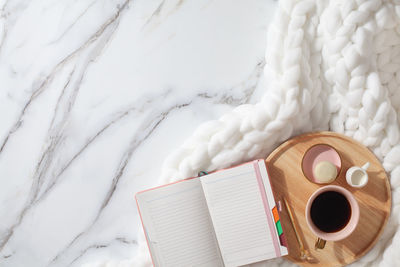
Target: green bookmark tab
[(279, 227)]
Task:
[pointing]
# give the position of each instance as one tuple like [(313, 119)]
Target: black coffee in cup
[(330, 211)]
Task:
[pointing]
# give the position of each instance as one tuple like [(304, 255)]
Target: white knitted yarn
[(331, 65)]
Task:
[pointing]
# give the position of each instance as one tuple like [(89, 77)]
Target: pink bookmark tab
[(271, 223)]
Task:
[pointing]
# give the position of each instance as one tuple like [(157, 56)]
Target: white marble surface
[(93, 96)]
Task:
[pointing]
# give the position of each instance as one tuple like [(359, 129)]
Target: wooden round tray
[(288, 181)]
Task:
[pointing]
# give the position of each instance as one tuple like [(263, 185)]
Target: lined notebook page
[(178, 226), (238, 215)]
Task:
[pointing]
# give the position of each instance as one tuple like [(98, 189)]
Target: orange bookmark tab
[(275, 213)]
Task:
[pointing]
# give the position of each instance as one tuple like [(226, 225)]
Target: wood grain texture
[(288, 181)]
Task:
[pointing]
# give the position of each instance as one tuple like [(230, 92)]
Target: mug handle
[(320, 243)]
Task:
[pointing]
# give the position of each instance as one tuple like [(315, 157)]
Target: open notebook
[(226, 218)]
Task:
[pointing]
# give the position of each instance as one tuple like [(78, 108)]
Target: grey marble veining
[(93, 97)]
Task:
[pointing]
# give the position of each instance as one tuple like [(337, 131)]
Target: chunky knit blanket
[(331, 65)]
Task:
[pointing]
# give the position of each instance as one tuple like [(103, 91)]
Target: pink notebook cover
[(271, 219)]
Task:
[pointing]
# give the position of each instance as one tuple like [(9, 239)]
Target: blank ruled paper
[(238, 215), (179, 227)]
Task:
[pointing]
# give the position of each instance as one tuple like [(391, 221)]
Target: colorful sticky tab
[(279, 227), (279, 205), (282, 240), (275, 213)]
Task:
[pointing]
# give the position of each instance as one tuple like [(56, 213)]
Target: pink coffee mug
[(350, 223)]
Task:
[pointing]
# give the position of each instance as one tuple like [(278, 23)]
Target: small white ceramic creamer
[(357, 176)]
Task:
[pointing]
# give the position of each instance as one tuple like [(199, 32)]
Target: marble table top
[(94, 95)]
